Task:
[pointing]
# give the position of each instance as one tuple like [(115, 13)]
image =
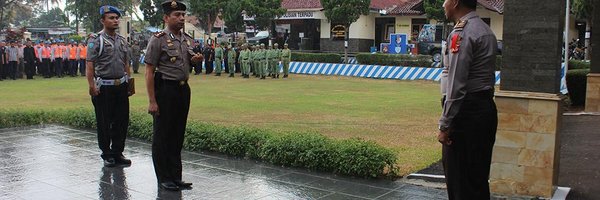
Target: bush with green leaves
[(573, 64), (394, 60), (313, 151), (578, 64), (576, 84), (317, 57)]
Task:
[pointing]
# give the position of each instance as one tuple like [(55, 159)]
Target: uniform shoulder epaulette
[(93, 35), (461, 24), (159, 34)]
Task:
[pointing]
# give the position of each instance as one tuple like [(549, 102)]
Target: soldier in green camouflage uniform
[(231, 54), (286, 56), (276, 52), (245, 60), (262, 68), (219, 59), (269, 57)]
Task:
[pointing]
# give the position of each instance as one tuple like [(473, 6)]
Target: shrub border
[(354, 157)]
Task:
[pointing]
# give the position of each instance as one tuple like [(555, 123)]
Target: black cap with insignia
[(170, 6)]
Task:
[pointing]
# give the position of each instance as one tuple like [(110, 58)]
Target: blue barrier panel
[(383, 72)]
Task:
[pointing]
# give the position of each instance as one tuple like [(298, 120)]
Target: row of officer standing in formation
[(262, 62), (52, 58)]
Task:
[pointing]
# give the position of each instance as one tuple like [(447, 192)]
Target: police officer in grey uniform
[(107, 75), (168, 61), (469, 119), (135, 56)]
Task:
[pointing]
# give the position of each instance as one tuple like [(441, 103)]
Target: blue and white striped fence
[(381, 72), (369, 71)]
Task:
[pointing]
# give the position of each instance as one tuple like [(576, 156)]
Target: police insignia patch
[(90, 45), (455, 45)]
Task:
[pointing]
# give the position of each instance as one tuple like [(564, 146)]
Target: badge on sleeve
[(90, 45), (455, 45)]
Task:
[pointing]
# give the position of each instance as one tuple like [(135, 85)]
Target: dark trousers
[(197, 68), (467, 160), (2, 74), (209, 66), (12, 69), (58, 67), (169, 128), (82, 67), (30, 69), (135, 64), (46, 67), (73, 67), (112, 119)]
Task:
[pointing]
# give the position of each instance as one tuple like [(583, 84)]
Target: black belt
[(483, 94), (174, 82)]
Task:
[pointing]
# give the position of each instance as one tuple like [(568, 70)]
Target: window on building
[(417, 25), (389, 29)]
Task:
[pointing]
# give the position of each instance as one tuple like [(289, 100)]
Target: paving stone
[(65, 164)]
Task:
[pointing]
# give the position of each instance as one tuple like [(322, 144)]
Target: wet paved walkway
[(55, 162)]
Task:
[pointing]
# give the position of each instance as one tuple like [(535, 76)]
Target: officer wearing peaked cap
[(168, 61), (107, 72)]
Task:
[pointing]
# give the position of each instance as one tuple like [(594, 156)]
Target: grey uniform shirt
[(13, 53), (471, 63), (110, 64), (135, 51), (170, 55)]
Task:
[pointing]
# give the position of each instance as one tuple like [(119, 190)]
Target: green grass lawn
[(401, 115)]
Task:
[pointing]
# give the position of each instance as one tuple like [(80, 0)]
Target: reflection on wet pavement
[(55, 162)]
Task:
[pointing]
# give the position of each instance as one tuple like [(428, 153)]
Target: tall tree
[(89, 10), (345, 12), (264, 12), (152, 12), (232, 14), (55, 17), (9, 9), (206, 11), (434, 10)]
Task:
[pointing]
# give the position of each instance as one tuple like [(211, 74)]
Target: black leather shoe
[(109, 162), (183, 185), (122, 161), (169, 186)]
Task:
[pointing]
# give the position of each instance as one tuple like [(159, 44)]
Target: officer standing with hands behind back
[(109, 85), (168, 60)]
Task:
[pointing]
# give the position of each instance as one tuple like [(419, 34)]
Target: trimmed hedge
[(394, 60), (573, 64), (576, 84), (578, 64), (354, 157), (316, 57)]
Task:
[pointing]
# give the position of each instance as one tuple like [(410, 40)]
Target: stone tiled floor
[(55, 162)]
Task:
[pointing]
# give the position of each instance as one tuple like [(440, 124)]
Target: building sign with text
[(338, 32), (291, 15)]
